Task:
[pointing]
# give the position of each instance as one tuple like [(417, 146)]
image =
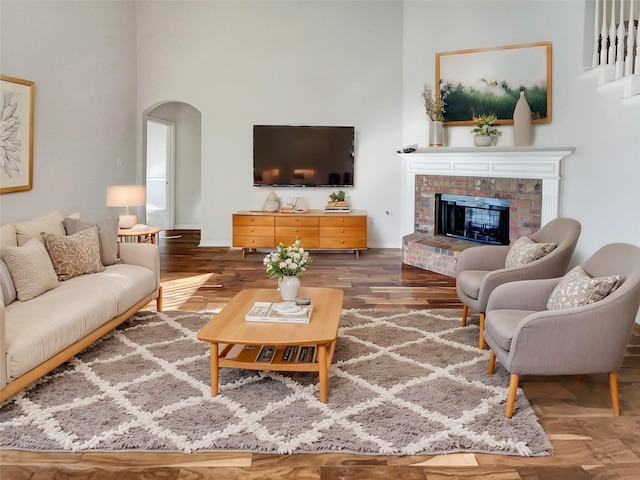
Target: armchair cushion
[(469, 282), (577, 289), (524, 250), (503, 325)]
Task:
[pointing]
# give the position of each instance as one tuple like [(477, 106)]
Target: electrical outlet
[(119, 161)]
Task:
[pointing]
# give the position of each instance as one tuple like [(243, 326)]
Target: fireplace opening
[(480, 219)]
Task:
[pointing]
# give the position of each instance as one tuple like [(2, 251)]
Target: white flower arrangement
[(287, 261)]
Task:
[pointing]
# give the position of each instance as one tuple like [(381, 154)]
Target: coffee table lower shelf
[(246, 359)]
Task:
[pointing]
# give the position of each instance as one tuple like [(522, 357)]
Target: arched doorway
[(172, 165)]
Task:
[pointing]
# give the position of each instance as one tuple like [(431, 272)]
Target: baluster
[(620, 43), (604, 35), (611, 55), (628, 61), (636, 66), (597, 40)]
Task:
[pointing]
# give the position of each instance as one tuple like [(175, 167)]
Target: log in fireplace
[(480, 219)]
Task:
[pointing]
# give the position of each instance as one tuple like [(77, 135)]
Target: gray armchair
[(528, 339), (479, 270)]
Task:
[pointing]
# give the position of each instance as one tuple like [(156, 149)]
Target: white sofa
[(39, 334)]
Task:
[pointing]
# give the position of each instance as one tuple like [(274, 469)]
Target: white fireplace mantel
[(501, 162)]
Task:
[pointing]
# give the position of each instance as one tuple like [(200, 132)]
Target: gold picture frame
[(489, 80), (16, 134)]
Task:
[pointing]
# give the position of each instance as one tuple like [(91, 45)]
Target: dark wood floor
[(575, 412)]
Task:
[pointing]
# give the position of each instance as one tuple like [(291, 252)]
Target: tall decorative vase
[(522, 123), (436, 133), (289, 288)]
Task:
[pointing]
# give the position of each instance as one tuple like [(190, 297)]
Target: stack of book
[(270, 312), (337, 207)]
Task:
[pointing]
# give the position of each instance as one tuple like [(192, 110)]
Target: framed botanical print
[(488, 81), (16, 134)]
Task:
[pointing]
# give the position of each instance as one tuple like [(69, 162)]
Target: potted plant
[(285, 264), (484, 130), (435, 110), (337, 199)]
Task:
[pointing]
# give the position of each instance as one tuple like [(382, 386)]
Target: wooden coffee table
[(229, 327)]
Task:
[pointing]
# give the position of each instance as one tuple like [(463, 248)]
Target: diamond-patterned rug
[(400, 384)]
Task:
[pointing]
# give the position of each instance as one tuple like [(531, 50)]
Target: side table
[(147, 235)]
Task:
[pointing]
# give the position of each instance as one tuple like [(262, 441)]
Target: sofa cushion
[(107, 232), (6, 284), (8, 237), (469, 282), (577, 289), (524, 250), (51, 223), (79, 306), (30, 268)]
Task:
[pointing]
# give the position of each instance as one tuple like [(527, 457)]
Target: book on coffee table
[(279, 313)]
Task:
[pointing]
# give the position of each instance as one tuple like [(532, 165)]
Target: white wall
[(240, 63), (309, 63), (81, 57), (604, 132)]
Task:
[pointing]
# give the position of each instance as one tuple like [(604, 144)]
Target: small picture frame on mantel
[(16, 133)]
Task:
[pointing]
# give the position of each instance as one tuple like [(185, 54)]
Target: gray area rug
[(400, 384)]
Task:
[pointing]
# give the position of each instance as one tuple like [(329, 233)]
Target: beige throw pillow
[(30, 268), (74, 255), (107, 232), (52, 223), (524, 250), (6, 284), (577, 289)]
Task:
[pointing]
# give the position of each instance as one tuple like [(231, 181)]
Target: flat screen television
[(303, 156)]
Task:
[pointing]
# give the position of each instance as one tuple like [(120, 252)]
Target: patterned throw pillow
[(524, 250), (30, 268), (577, 289), (74, 255), (107, 232)]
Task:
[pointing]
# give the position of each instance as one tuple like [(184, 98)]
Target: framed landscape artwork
[(489, 80), (16, 134)]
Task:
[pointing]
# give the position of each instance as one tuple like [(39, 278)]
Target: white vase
[(482, 140), (289, 288), (436, 133), (522, 123)]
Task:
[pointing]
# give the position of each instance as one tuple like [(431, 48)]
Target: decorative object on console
[(522, 122), (435, 110), (484, 130), (287, 263), (126, 196), (272, 203), (337, 203)]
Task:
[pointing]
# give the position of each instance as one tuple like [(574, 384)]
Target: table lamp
[(126, 196)]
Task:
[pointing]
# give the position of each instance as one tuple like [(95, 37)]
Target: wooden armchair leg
[(481, 336), (613, 387), (465, 311), (492, 363), (511, 398)]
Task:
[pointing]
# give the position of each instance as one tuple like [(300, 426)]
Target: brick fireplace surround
[(528, 177)]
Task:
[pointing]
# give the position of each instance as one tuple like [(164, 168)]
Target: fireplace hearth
[(479, 219)]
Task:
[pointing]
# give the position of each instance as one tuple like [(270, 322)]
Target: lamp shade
[(126, 195)]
